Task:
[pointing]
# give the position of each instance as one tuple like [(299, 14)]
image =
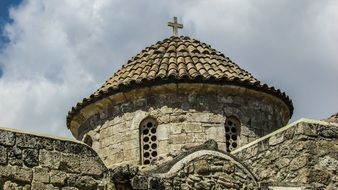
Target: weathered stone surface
[(47, 168), (7, 138), (30, 157), (297, 154), (22, 174), (42, 186), (58, 177), (26, 141), (3, 155), (50, 159), (82, 182), (181, 122), (10, 186), (70, 163), (15, 156), (6, 171), (91, 166), (41, 175), (299, 162)]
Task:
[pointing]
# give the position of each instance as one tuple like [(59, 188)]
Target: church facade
[(178, 115)]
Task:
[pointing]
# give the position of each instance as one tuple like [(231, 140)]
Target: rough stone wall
[(302, 154), (200, 167), (183, 120), (41, 163)]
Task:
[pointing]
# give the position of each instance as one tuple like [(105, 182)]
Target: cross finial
[(175, 26)]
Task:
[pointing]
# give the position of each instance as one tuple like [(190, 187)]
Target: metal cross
[(175, 26)]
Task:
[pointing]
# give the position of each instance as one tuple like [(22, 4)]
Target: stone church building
[(178, 115)]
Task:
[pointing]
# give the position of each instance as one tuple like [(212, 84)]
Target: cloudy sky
[(54, 53)]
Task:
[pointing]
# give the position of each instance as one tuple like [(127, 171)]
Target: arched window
[(88, 140), (148, 138), (232, 127)]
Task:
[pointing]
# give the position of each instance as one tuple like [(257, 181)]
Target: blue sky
[(5, 6), (60, 51)]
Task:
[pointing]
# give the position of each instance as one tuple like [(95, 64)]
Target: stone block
[(306, 129), (328, 131), (91, 166), (199, 117), (175, 148), (50, 159), (3, 155), (131, 144), (282, 162), (6, 171), (163, 147), (82, 182), (106, 132), (70, 163), (11, 186), (22, 174), (199, 137), (41, 175), (7, 138), (118, 128), (163, 132), (164, 119), (319, 176), (58, 177), (176, 129), (15, 156), (30, 157), (276, 139), (117, 157), (42, 186), (193, 127), (217, 118), (215, 133), (299, 162), (70, 147), (27, 141), (177, 139)]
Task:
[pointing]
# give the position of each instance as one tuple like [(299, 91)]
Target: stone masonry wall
[(183, 120), (301, 154), (41, 163)]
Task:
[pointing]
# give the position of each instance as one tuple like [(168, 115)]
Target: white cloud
[(61, 51)]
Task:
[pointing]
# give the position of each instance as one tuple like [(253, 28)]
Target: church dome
[(178, 92), (175, 60), (178, 59)]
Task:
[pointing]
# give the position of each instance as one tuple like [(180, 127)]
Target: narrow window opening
[(148, 137), (232, 126), (88, 140)]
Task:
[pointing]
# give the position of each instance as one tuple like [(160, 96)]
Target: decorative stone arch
[(148, 140), (232, 127), (207, 169)]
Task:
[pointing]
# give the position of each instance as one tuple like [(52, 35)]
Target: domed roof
[(174, 60)]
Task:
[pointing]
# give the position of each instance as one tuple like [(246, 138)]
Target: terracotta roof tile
[(179, 58)]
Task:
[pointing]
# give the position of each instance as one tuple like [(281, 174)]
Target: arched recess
[(148, 140), (207, 169)]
